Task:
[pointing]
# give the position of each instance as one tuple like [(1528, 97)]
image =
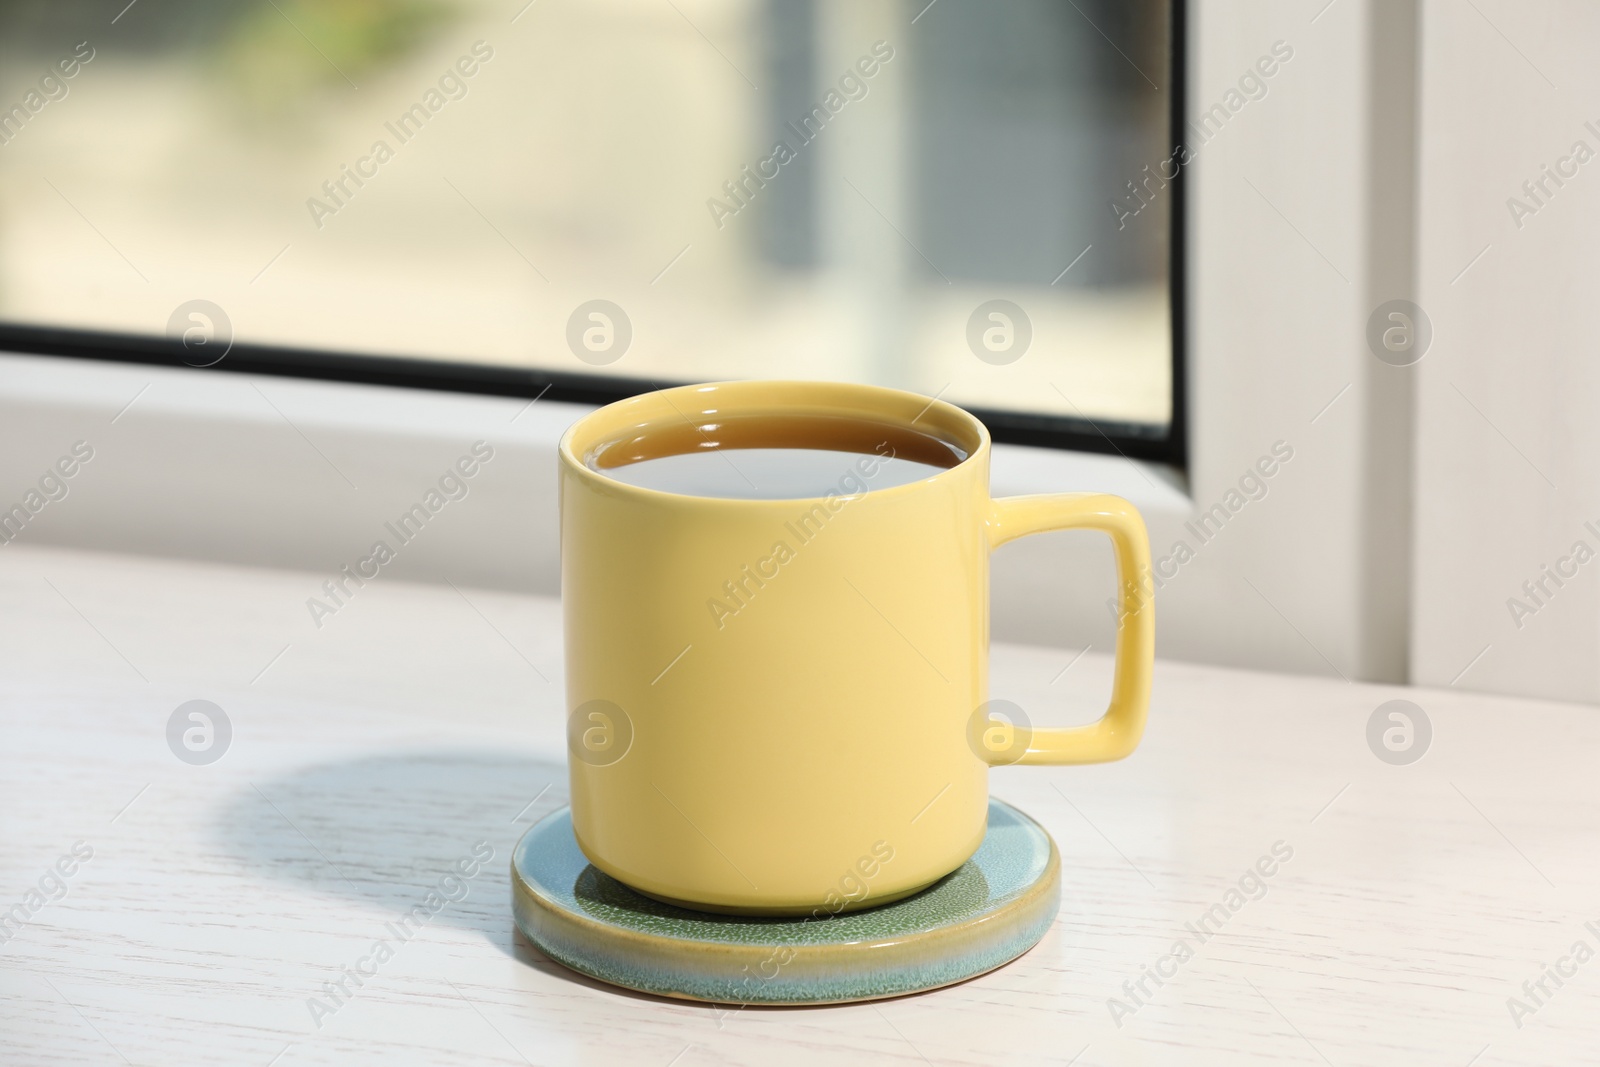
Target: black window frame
[(1168, 444)]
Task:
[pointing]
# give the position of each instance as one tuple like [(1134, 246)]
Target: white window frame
[(1301, 219)]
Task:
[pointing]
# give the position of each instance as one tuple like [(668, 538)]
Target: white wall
[(1508, 443)]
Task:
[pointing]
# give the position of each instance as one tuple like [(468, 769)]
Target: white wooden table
[(368, 756)]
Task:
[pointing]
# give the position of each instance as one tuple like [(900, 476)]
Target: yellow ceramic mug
[(825, 746)]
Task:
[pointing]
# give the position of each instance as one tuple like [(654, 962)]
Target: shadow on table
[(386, 831), (390, 830)]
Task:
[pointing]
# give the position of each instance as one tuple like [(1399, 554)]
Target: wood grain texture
[(376, 751)]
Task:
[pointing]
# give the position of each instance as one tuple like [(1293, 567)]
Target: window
[(973, 200)]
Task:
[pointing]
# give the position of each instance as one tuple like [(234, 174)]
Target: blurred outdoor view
[(765, 188)]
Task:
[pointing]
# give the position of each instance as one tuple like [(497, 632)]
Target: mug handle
[(1117, 733)]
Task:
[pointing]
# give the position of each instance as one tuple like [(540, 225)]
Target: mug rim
[(773, 395)]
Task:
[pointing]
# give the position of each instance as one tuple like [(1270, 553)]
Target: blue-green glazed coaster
[(988, 912)]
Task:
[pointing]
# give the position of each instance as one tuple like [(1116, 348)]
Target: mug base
[(782, 908), (789, 911)]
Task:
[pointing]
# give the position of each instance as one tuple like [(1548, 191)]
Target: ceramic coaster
[(991, 910)]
